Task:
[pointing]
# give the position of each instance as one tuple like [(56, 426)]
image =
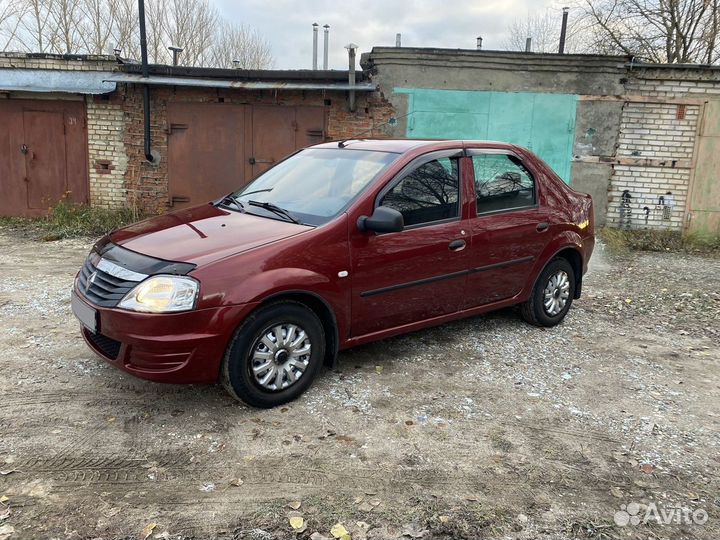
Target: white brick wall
[(674, 88), (57, 61), (105, 126), (646, 186), (653, 131)]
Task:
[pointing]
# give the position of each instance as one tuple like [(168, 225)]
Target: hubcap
[(557, 292), (280, 356)]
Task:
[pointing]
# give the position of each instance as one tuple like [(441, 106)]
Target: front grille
[(107, 346), (101, 287)]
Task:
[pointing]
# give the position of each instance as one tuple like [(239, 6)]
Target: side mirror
[(383, 220)]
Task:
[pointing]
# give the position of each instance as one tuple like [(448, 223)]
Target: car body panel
[(373, 285), (202, 234)]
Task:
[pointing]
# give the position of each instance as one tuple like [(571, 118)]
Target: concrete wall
[(595, 123)]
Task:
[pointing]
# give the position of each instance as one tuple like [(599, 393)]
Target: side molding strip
[(443, 277)]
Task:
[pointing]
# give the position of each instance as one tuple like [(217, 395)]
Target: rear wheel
[(552, 295), (275, 355)]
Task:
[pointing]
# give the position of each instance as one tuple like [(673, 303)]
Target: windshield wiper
[(275, 209), (231, 200), (255, 191)]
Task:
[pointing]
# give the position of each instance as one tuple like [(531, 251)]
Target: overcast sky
[(287, 24)]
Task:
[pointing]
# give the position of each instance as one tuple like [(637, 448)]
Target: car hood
[(202, 234)]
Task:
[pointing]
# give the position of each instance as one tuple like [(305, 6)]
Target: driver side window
[(428, 193), (502, 183)]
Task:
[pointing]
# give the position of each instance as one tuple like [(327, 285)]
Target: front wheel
[(275, 355), (552, 295)]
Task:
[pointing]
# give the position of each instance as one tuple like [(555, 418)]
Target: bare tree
[(33, 29), (65, 17), (10, 18), (125, 33), (96, 29), (542, 28), (191, 24), (97, 26), (237, 45), (156, 22), (663, 31)]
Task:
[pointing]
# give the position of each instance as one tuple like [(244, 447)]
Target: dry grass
[(67, 220), (619, 240)]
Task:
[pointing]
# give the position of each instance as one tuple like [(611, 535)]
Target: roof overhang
[(55, 80), (207, 82)]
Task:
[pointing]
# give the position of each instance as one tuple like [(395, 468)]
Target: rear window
[(502, 183)]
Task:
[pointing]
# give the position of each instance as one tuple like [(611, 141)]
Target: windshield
[(315, 184)]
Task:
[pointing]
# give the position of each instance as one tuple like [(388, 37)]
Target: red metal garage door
[(43, 155), (215, 148)]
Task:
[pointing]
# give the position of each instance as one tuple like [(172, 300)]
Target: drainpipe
[(563, 31), (351, 48), (146, 87), (325, 46), (315, 37)]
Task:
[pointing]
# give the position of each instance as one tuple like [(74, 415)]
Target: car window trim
[(419, 162), (470, 152)]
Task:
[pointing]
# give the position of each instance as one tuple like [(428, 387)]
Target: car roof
[(401, 146)]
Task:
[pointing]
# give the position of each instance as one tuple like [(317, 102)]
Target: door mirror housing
[(383, 220)]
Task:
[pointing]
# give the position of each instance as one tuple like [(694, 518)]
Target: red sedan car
[(339, 244)]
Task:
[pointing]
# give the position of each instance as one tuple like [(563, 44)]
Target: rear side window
[(428, 193), (502, 183)]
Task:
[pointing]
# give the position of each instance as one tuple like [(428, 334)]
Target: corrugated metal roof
[(55, 80), (155, 80)]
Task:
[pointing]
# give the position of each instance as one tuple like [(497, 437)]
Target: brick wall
[(147, 184), (655, 146), (67, 62), (106, 151)]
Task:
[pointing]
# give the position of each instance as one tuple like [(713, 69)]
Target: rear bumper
[(179, 348)]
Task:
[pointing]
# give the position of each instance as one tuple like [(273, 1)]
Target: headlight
[(162, 294)]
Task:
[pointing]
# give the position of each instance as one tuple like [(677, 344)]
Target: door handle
[(457, 245), (542, 227)]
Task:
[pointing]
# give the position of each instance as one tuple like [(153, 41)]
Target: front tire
[(274, 355), (552, 295)]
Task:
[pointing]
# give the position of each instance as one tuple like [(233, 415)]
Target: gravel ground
[(484, 427)]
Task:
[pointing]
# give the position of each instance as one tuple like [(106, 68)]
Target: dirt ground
[(484, 427)]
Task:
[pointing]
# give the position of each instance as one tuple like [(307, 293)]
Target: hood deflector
[(137, 262)]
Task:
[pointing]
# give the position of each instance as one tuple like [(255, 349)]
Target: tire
[(245, 373), (536, 310)]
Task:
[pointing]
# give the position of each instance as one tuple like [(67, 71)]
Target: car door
[(417, 273), (509, 230)]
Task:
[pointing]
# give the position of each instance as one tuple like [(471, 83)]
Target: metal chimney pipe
[(351, 48), (146, 87), (528, 45), (479, 43), (325, 46), (175, 52), (398, 38), (563, 31), (315, 40)]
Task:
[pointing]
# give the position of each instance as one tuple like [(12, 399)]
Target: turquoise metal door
[(544, 123)]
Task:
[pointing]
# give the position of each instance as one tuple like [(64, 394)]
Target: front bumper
[(181, 348)]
